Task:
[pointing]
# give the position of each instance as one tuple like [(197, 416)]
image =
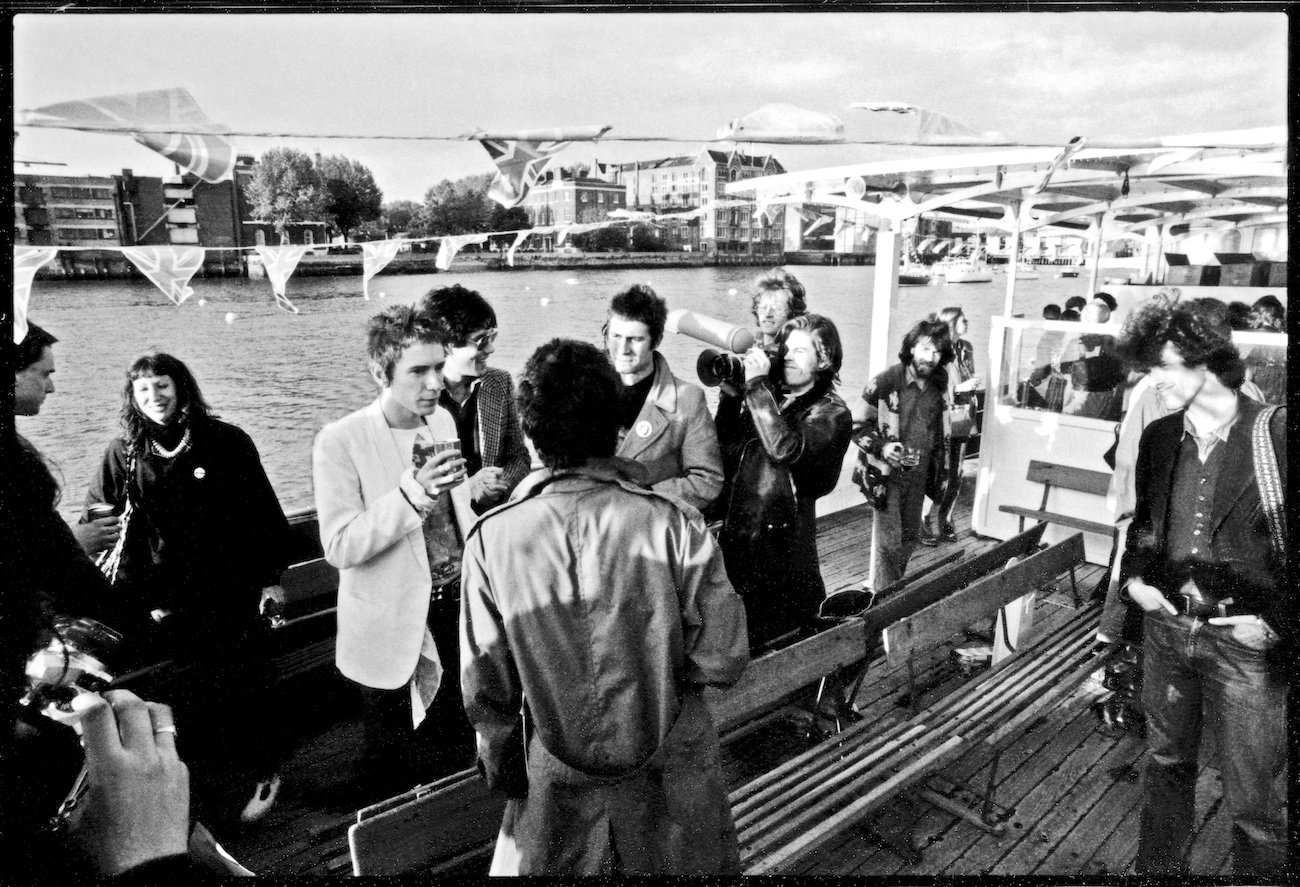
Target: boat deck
[(1066, 787)]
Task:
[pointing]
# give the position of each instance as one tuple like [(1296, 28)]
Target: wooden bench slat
[(1053, 517), (1068, 477), (936, 622)]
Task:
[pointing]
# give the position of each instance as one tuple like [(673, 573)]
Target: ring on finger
[(166, 728)]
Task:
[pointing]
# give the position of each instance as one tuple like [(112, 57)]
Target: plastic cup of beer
[(441, 446), (910, 457), (101, 509)]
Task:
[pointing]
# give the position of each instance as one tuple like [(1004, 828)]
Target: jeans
[(896, 528), (1196, 674)]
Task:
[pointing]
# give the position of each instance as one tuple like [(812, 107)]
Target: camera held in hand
[(715, 367)]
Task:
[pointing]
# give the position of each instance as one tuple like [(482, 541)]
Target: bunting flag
[(27, 261), (520, 237), (168, 121), (935, 127), (580, 228), (519, 165), (279, 262), (170, 268), (785, 124), (451, 245), (375, 258)]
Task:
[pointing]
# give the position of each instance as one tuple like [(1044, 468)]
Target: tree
[(398, 216), (647, 239), (286, 188), (351, 195), (459, 207), (602, 239)]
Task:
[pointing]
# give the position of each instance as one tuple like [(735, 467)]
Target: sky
[(1037, 76)]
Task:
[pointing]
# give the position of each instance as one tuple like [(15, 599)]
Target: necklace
[(172, 453)]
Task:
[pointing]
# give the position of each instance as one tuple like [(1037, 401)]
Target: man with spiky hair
[(664, 423), (600, 610), (1206, 562)]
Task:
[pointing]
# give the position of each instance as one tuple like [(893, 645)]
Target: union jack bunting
[(519, 165), (170, 268), (27, 260), (375, 258), (279, 262), (451, 245), (168, 121)]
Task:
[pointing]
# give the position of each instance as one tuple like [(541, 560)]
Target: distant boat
[(967, 270), (913, 275), (1069, 272)]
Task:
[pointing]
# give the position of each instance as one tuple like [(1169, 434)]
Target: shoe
[(948, 533), (928, 538), (264, 795)]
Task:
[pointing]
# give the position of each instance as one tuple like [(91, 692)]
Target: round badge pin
[(200, 473), (643, 429)]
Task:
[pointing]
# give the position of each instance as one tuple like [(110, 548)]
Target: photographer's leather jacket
[(777, 463)]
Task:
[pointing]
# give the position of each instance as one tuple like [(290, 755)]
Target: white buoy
[(230, 316), (202, 302), (732, 291), (383, 295), (545, 301), (571, 281)]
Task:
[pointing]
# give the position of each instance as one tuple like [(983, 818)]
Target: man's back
[(589, 597)]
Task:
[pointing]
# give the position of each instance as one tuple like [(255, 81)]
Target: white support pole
[(1096, 256), (884, 297), (1013, 261)]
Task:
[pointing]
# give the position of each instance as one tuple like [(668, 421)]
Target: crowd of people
[(556, 625)]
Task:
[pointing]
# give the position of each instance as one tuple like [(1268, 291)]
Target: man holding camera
[(901, 426), (782, 446), (389, 524), (664, 423)]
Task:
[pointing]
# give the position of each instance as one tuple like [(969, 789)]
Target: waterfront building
[(563, 198), (689, 182), (261, 232), (65, 211)]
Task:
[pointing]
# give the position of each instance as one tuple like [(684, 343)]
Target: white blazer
[(374, 537)]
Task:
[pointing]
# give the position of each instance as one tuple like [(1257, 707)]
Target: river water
[(281, 377)]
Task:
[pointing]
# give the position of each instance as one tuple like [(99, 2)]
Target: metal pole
[(1013, 261), (1096, 255), (884, 297)]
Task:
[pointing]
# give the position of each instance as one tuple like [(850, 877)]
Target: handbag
[(1269, 479), (109, 561)]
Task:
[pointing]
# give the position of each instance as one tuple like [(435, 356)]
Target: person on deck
[(664, 422), (778, 297), (391, 526), (480, 398), (1206, 563), (585, 648), (964, 390), (901, 425), (782, 448), (198, 561)]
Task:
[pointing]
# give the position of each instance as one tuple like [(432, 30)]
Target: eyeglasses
[(483, 340)]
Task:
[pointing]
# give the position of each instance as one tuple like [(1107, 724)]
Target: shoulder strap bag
[(1269, 479)]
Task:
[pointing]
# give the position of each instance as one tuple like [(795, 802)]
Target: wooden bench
[(1067, 477), (438, 827), (790, 811), (304, 631)]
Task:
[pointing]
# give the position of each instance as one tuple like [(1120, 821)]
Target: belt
[(1199, 608), (448, 592)]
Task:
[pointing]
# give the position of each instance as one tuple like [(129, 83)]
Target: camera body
[(715, 367)]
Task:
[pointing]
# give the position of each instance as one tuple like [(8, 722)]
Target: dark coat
[(778, 462), (1242, 563)]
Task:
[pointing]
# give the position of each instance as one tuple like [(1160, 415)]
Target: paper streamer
[(170, 268), (375, 258), (451, 245), (279, 262), (27, 260)]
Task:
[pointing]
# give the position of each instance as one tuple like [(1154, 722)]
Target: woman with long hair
[(203, 543), (963, 394)]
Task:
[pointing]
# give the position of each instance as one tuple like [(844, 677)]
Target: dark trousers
[(896, 528), (956, 455), (1199, 675), (395, 753)]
